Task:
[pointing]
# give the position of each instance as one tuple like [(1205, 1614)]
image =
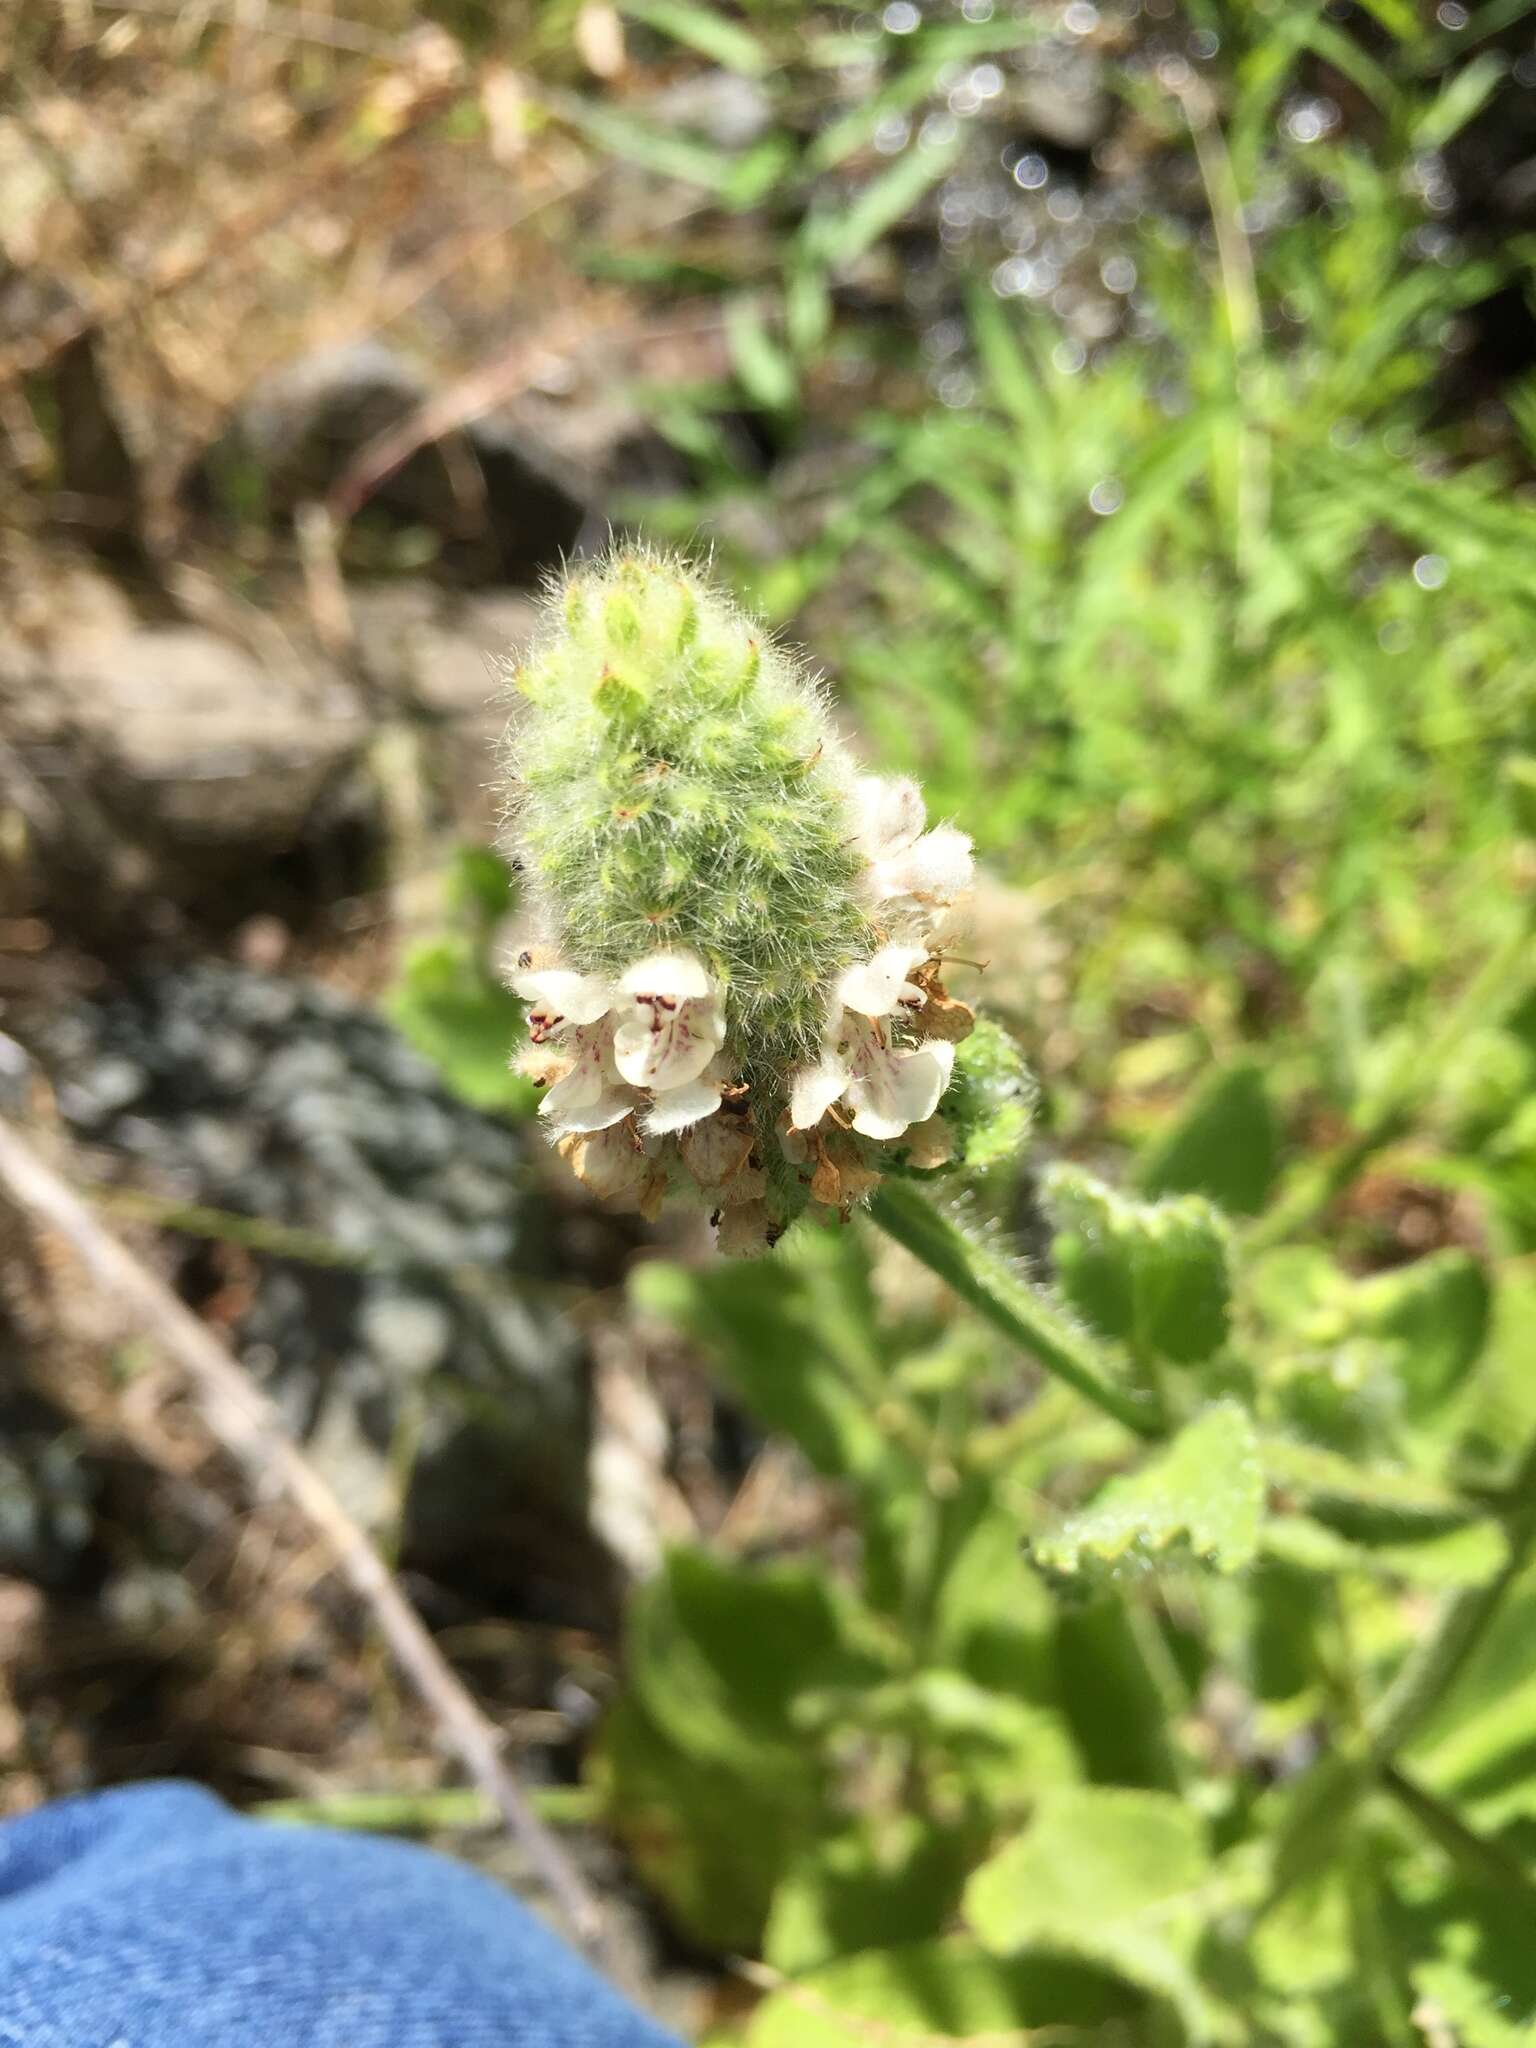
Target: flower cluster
[(780, 1034)]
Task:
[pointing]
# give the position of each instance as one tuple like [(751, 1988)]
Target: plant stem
[(1487, 1861), (987, 1280), (409, 1812), (1439, 1661), (249, 1426)]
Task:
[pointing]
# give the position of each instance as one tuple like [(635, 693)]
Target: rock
[(169, 761), (429, 1324), (437, 658), (197, 741), (507, 515)]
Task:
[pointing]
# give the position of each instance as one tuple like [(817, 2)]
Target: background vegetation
[(1135, 408)]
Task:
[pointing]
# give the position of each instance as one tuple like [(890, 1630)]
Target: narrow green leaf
[(1463, 95), (766, 371), (841, 240), (705, 29)]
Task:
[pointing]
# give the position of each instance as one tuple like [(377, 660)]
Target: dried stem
[(250, 1428)]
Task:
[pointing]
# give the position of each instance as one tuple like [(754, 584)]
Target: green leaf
[(1434, 1557), (709, 1839), (1152, 1274), (738, 181), (1203, 1494), (1224, 1145), (912, 1996), (1520, 789), (1478, 1748), (868, 1886), (1110, 1698), (1109, 1876), (1480, 2013), (704, 1769), (795, 1339), (464, 1022), (1304, 1945), (1472, 1944), (1464, 92), (1436, 1313), (990, 1103), (766, 372), (838, 239), (1369, 1503), (706, 30), (718, 1654)]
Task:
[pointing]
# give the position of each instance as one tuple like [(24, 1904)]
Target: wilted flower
[(736, 987)]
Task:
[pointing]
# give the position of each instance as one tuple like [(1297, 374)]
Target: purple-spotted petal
[(894, 1087), (670, 1023)]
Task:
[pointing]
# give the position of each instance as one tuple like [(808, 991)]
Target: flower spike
[(737, 990)]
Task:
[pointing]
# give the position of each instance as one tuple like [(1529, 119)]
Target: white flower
[(556, 997), (677, 1109), (572, 1013), (907, 864), (606, 1050), (881, 987), (592, 1095), (670, 1026), (886, 1087), (892, 1087)]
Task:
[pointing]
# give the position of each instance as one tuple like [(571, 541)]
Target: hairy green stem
[(1434, 1667), (987, 1280)]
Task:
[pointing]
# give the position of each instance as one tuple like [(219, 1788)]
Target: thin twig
[(297, 25), (251, 1429), (466, 400)]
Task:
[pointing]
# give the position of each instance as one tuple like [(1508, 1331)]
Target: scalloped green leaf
[(1203, 1495), (1153, 1275)]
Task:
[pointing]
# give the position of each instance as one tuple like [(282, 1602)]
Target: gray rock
[(191, 739), (324, 1120), (506, 515), (170, 764)]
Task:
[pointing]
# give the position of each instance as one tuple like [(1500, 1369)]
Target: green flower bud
[(734, 985)]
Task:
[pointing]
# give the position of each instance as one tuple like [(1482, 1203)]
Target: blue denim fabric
[(153, 1917)]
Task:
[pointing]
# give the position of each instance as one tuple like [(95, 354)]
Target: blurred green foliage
[(1216, 634)]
